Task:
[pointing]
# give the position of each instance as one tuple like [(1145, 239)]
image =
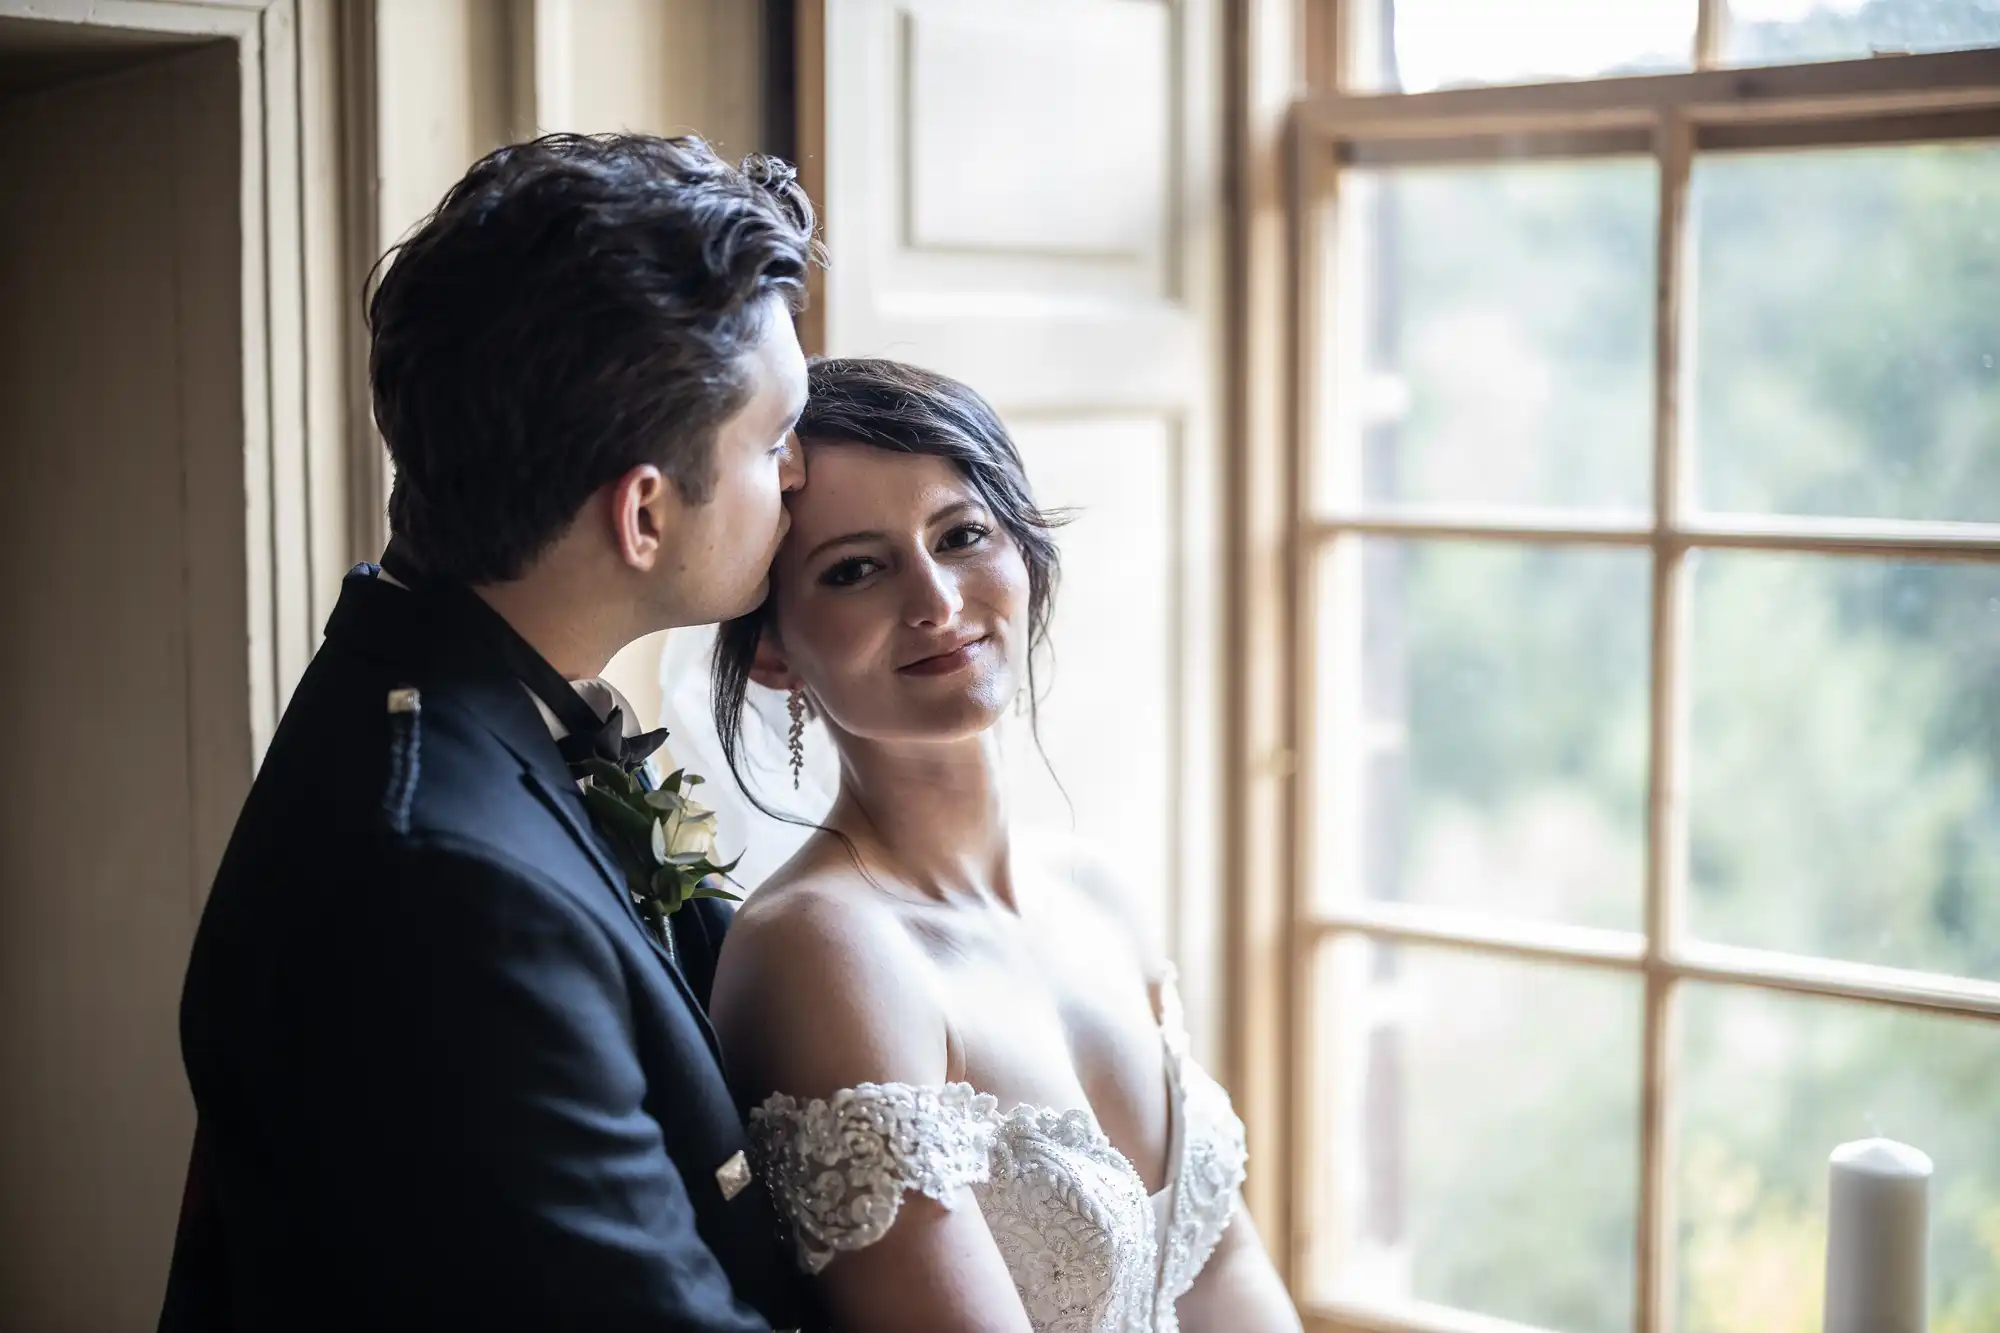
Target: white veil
[(766, 843)]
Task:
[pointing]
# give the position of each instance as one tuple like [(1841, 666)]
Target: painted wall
[(120, 441)]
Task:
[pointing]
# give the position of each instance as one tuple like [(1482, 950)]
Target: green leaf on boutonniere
[(606, 774), (615, 816), (664, 841), (666, 894)]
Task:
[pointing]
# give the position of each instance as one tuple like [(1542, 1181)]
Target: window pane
[(1771, 1085), (1491, 752), (1773, 32), (1845, 763), (1484, 1120), (1847, 332), (1501, 325), (1450, 43)]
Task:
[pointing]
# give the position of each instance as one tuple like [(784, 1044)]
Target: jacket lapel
[(386, 622), (548, 777)]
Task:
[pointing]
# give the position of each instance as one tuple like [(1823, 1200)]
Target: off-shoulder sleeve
[(839, 1167)]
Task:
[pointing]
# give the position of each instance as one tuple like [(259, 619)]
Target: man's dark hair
[(577, 306), (907, 410)]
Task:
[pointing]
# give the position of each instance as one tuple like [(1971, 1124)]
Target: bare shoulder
[(820, 987)]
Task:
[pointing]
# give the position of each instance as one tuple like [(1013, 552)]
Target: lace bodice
[(1088, 1250)]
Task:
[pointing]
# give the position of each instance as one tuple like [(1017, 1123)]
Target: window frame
[(1672, 118)]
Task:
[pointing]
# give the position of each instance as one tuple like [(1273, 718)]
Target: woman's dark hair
[(577, 306), (890, 405)]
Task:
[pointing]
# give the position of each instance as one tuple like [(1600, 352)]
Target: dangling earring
[(797, 705)]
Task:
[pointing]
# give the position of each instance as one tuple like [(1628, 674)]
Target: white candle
[(1876, 1238)]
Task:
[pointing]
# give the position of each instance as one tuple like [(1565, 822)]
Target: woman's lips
[(943, 664)]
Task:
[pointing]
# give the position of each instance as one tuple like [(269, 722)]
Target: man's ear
[(769, 667), (643, 503)]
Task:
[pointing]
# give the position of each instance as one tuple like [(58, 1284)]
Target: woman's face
[(898, 600)]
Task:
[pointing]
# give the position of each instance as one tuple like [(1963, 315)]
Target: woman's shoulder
[(819, 912), (820, 987)]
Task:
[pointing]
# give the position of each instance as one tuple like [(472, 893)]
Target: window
[(1649, 656)]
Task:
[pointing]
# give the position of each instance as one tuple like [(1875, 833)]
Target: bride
[(972, 1094)]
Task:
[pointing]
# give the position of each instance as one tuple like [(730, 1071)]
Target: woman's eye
[(962, 536), (844, 573)]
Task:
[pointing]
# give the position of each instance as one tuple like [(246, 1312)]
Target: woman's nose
[(934, 597)]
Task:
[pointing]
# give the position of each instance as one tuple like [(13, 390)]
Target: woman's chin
[(942, 717)]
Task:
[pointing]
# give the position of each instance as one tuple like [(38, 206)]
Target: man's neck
[(574, 634)]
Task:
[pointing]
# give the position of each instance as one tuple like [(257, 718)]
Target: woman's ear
[(769, 667)]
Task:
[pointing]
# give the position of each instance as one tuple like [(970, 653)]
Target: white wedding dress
[(1087, 1248)]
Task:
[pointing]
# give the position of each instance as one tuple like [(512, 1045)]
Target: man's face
[(717, 556)]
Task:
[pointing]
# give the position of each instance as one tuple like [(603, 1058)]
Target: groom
[(447, 1077)]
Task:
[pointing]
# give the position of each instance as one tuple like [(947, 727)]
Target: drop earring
[(797, 741)]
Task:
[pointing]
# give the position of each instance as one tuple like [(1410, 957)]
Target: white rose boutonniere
[(685, 828), (664, 839)]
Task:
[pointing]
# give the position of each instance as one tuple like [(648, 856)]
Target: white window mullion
[(1666, 822)]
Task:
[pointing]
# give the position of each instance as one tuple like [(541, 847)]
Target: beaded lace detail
[(1207, 1173), (842, 1165), (1070, 1214)]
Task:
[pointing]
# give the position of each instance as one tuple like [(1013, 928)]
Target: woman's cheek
[(1006, 580), (833, 638)]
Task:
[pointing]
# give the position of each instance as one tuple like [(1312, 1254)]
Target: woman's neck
[(935, 814)]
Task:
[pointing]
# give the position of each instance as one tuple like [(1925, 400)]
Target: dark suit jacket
[(445, 1077)]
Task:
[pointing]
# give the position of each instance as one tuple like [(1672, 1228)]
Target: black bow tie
[(606, 742)]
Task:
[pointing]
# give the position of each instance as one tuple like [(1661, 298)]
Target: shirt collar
[(601, 695)]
